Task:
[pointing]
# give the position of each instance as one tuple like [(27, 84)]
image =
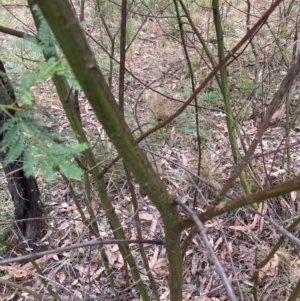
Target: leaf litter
[(240, 236)]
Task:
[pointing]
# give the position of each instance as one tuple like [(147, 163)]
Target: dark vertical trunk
[(26, 198), (29, 217)]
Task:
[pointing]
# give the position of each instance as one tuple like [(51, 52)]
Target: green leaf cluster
[(51, 67), (26, 138), (45, 35), (45, 70)]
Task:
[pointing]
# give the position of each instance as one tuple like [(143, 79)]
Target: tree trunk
[(29, 217)]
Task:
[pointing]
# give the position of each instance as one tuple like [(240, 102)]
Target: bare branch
[(215, 259), (95, 242)]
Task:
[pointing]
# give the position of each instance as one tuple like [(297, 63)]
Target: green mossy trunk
[(71, 39)]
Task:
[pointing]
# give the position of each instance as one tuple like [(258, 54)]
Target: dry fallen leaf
[(293, 196), (270, 269), (61, 276), (247, 227), (184, 160), (13, 272), (186, 297), (153, 224)]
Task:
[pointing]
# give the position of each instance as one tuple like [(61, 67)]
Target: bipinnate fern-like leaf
[(26, 138), (45, 36)]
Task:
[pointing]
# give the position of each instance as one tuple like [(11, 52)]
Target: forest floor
[(240, 239)]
